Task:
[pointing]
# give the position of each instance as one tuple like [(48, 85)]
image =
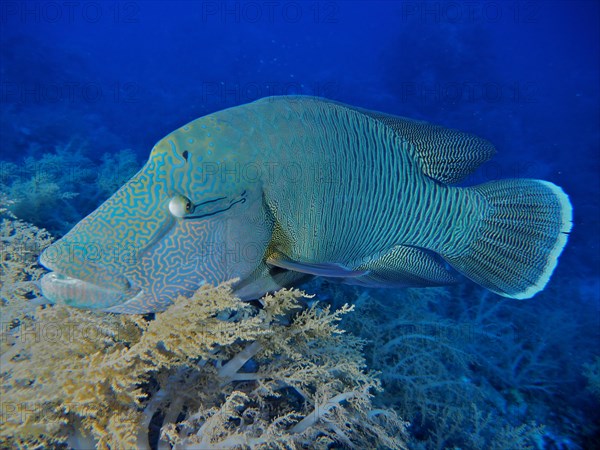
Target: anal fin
[(404, 266)]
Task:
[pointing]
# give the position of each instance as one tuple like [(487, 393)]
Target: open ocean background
[(94, 78)]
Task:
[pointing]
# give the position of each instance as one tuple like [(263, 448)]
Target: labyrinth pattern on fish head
[(180, 262), (119, 229)]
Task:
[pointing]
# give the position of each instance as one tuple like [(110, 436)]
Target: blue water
[(523, 74)]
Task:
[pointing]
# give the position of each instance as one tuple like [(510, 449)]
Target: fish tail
[(519, 238)]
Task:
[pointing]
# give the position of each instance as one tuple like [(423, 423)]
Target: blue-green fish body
[(286, 187)]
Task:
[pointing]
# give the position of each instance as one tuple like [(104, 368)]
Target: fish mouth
[(75, 292), (100, 289)]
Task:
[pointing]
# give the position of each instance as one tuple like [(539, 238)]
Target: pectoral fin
[(267, 278), (320, 269)]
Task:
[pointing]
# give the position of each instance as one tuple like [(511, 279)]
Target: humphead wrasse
[(288, 187)]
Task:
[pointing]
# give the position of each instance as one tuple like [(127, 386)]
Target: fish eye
[(180, 205)]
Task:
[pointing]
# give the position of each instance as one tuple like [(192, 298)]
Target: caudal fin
[(521, 236)]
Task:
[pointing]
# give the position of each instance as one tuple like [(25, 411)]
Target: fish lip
[(60, 288), (63, 278), (118, 282), (117, 290)]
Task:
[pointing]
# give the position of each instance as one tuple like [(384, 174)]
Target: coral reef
[(431, 373), (209, 372), (57, 189), (20, 245), (452, 358)]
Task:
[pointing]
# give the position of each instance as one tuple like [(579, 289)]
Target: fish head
[(187, 218)]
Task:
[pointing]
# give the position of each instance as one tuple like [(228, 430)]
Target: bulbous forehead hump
[(208, 138)]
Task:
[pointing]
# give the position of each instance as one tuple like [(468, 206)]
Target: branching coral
[(43, 188), (434, 369), (57, 189), (115, 170), (20, 245), (211, 371)]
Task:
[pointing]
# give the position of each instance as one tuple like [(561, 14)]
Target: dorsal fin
[(445, 154)]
